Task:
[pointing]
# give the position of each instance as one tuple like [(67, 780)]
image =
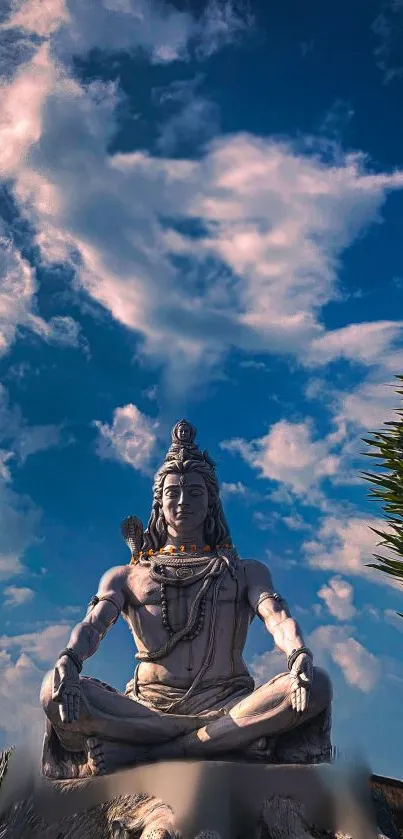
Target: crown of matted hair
[(183, 446)]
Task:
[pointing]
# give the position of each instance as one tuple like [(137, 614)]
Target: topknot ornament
[(183, 446)]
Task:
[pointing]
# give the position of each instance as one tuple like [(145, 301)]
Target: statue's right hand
[(67, 690)]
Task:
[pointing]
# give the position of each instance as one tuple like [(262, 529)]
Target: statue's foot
[(262, 749), (105, 756)]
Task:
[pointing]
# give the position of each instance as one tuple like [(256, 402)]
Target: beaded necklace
[(184, 576)]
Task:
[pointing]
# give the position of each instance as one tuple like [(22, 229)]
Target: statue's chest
[(183, 585)]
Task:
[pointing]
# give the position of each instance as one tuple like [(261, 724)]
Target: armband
[(272, 596), (95, 600)]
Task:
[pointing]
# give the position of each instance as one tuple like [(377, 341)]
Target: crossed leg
[(115, 730), (266, 712), (118, 731)]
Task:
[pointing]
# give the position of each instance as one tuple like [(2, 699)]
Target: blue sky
[(200, 216)]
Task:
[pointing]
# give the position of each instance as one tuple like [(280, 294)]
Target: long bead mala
[(158, 574), (196, 615)]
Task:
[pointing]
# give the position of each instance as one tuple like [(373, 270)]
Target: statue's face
[(184, 503), (184, 433)]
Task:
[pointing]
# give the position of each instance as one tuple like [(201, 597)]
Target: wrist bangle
[(295, 653), (73, 656)]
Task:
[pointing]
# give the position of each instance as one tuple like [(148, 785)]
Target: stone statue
[(188, 599)]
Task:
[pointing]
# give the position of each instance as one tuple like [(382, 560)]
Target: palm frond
[(386, 447)]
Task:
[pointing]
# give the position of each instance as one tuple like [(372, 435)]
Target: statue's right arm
[(101, 615)]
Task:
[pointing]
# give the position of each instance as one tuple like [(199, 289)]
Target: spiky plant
[(387, 487), (4, 758)]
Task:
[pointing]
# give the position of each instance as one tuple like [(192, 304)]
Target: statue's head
[(186, 467)]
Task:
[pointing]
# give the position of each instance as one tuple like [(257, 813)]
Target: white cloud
[(222, 23), (19, 516), (131, 438), (10, 565), (264, 521), (22, 102), (23, 660), (18, 521), (236, 488), (17, 595), (274, 217), (364, 342), (295, 522), (22, 439), (338, 596), (38, 438), (288, 454), (265, 666), (360, 668), (346, 545), (37, 17), (44, 645), (20, 682), (159, 29), (387, 27), (368, 406), (187, 115), (18, 288)]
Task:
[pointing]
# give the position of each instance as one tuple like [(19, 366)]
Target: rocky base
[(131, 817), (280, 816)]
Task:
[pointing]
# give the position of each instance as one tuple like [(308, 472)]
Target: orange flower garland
[(182, 549)]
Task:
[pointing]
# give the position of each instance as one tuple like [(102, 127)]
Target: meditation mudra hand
[(189, 600), (67, 690)]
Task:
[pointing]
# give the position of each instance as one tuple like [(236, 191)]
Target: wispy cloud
[(274, 217), (388, 30), (367, 343), (17, 595), (361, 669), (131, 438), (24, 440), (345, 545), (187, 116), (338, 596), (224, 22), (267, 665), (18, 290), (19, 516), (288, 454), (237, 488)]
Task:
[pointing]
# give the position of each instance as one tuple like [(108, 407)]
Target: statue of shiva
[(188, 599)]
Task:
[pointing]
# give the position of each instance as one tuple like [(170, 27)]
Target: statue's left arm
[(273, 610)]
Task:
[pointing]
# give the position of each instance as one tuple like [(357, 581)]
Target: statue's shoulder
[(255, 571), (114, 578)]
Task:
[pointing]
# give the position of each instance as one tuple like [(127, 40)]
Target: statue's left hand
[(301, 681)]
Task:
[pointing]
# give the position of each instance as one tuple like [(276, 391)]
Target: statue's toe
[(96, 757)]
